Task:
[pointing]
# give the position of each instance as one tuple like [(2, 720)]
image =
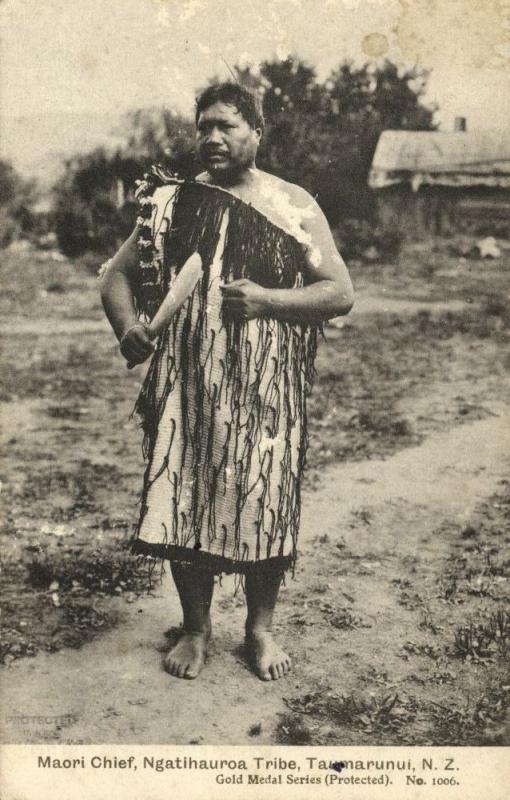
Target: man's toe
[(191, 672)]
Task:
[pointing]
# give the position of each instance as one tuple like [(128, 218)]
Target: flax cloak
[(223, 405)]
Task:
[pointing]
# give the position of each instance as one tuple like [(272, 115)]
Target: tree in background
[(85, 201), (17, 197), (293, 143), (94, 208), (360, 103), (157, 135), (321, 135)]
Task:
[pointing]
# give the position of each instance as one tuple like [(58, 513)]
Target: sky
[(68, 70)]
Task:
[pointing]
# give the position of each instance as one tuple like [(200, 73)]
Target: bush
[(500, 228), (85, 211), (16, 202), (319, 134), (73, 223), (10, 229), (361, 239)]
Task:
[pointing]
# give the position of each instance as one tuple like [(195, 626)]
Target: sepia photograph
[(255, 264)]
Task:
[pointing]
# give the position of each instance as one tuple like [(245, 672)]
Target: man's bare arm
[(329, 292), (117, 298), (115, 287)]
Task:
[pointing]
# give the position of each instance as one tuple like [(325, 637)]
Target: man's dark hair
[(248, 103)]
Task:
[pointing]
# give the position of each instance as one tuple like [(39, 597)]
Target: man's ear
[(258, 132)]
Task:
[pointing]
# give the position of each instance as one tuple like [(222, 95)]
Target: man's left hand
[(243, 300)]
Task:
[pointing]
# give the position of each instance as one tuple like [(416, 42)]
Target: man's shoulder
[(296, 192)]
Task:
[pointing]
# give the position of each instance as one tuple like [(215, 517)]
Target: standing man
[(224, 402)]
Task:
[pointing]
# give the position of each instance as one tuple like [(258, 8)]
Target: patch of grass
[(427, 622), (478, 722), (380, 423), (365, 370), (424, 271), (57, 594), (422, 649), (65, 412), (448, 588), (407, 598), (472, 323), (450, 725), (481, 568), (410, 600), (63, 372), (491, 713), (47, 287), (377, 676), (482, 640), (473, 642), (372, 714), (95, 570), (498, 626), (316, 609), (443, 676), (292, 730), (310, 703), (72, 492), (343, 618), (497, 304), (32, 622), (80, 623)]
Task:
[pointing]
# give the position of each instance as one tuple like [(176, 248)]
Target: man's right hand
[(135, 345)]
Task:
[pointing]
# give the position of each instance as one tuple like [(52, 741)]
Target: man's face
[(226, 143)]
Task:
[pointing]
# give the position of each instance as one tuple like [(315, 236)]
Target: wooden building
[(442, 183)]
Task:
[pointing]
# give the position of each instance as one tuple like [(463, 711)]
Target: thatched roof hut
[(443, 182)]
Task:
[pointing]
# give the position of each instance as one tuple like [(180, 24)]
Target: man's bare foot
[(267, 658), (187, 657)]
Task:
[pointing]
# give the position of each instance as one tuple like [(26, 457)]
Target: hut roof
[(480, 158)]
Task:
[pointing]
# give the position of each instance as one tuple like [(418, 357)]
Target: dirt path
[(375, 519), (368, 303)]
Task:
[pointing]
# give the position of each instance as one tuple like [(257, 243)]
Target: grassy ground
[(386, 382), (452, 683)]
